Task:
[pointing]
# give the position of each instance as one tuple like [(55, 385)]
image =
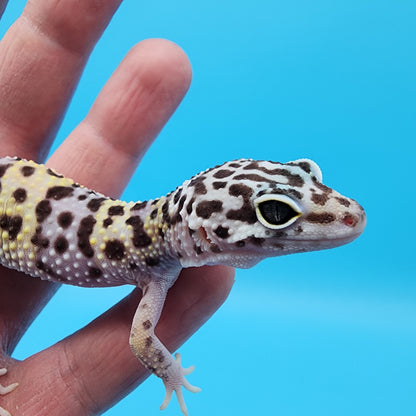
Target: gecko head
[(244, 211)]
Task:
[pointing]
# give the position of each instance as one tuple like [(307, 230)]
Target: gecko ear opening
[(276, 211)]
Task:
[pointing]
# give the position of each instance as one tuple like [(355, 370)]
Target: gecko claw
[(175, 383)]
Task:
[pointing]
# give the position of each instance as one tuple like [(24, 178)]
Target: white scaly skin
[(235, 214)]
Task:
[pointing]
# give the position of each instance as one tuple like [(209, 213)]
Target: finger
[(128, 114), (41, 58), (94, 368)]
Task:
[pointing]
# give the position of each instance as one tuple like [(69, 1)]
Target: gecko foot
[(5, 390), (175, 383)]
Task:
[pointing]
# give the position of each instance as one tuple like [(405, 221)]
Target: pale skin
[(41, 59)]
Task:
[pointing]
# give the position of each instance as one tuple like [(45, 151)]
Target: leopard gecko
[(235, 214)]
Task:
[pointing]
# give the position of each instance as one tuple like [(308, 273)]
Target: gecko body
[(233, 214)]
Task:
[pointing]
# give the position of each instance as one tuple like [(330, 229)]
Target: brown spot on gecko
[(147, 325), (206, 208), (140, 237), (116, 210), (38, 240), (319, 199), (44, 267), (152, 261), (27, 170), (137, 206), (222, 232), (61, 244), (43, 210), (85, 229), (148, 342), (323, 218), (65, 219), (223, 173), (219, 185), (95, 204), (12, 224), (59, 192), (3, 169), (53, 173), (115, 250), (20, 195), (343, 201), (94, 272), (107, 222)]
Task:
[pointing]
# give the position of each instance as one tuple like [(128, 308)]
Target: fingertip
[(162, 61)]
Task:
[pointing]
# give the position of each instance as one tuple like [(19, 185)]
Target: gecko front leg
[(151, 352)]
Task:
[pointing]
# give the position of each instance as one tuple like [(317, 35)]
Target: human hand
[(41, 59)]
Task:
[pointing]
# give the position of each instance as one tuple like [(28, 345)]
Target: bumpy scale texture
[(234, 214)]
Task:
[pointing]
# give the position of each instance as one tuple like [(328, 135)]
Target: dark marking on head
[(59, 192), (343, 201), (234, 165), (65, 219), (323, 218), (222, 232), (140, 237), (147, 325), (189, 206), (256, 241), (321, 186), (246, 213), (152, 261), (12, 224), (199, 185), (95, 204), (82, 197), (223, 173), (27, 170), (43, 210), (253, 177), (116, 210), (53, 173), (306, 166), (115, 250), (240, 243), (240, 189), (177, 195), (85, 229), (219, 184), (293, 193), (138, 205), (20, 195), (206, 208), (319, 199), (153, 214), (292, 179), (61, 244), (3, 169), (165, 212)]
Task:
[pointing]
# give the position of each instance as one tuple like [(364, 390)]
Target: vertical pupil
[(276, 212)]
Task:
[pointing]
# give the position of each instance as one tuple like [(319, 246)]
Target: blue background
[(326, 333)]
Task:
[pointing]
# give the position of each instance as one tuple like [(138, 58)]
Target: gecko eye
[(276, 211)]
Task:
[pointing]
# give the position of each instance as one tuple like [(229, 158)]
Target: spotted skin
[(234, 214)]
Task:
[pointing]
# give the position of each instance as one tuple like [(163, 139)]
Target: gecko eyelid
[(276, 211)]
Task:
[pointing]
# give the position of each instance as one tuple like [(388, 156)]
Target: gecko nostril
[(349, 220)]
